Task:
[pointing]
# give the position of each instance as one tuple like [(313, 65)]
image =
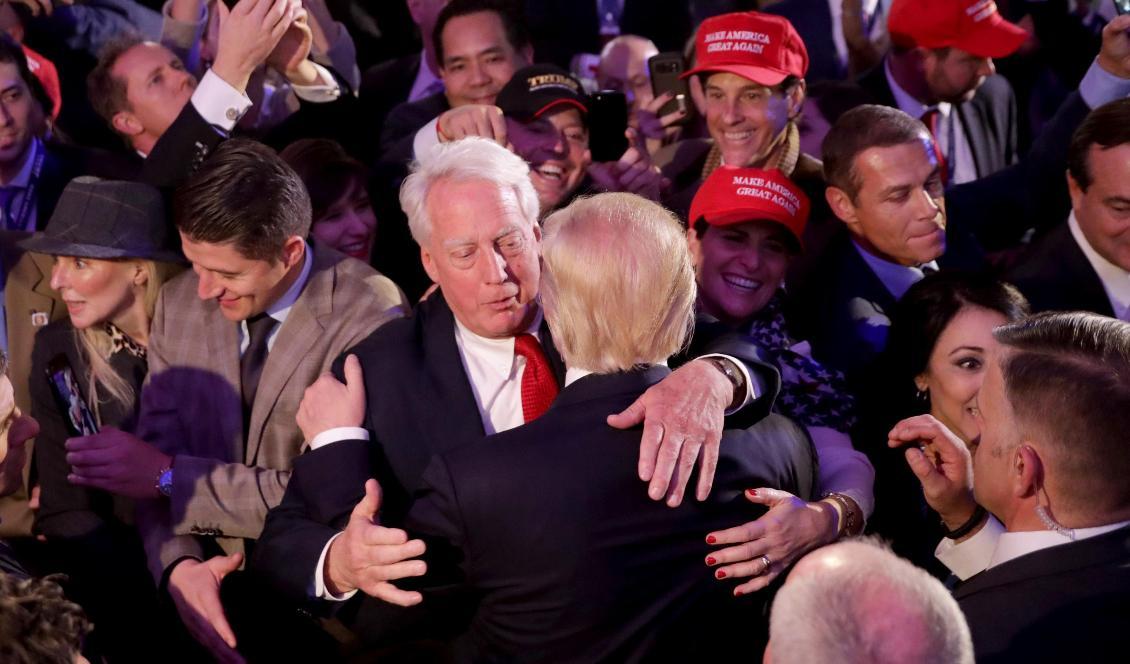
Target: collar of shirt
[(425, 77), (897, 279), (573, 374), (1012, 545), (1116, 281), (491, 357), (280, 309), (911, 106), (23, 177)]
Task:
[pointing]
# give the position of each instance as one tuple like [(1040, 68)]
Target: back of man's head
[(857, 603), (1067, 379), (509, 12), (860, 129), (617, 286), (1106, 127), (245, 195)]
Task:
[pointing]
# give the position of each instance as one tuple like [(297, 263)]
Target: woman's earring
[(923, 396)]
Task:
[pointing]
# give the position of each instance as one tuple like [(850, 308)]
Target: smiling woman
[(109, 243)]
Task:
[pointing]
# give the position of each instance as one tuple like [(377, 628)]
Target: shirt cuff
[(320, 590), (1100, 86), (426, 139), (971, 557), (338, 434), (328, 90), (219, 103), (751, 390)]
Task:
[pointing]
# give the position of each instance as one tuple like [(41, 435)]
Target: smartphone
[(77, 416), (665, 69), (608, 120), (1122, 6)]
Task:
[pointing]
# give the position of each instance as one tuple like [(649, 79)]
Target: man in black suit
[(940, 70), (479, 45), (142, 90), (1085, 264), (459, 354), (1051, 469), (551, 510), (407, 78)]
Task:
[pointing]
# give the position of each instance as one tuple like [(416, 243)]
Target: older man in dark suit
[(544, 525), (477, 350), (1047, 576)]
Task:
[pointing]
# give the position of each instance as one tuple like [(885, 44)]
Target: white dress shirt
[(877, 23), (951, 137), (1116, 281), (993, 545), (495, 373)]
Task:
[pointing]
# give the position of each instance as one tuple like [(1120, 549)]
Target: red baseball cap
[(974, 26), (736, 195), (761, 47)]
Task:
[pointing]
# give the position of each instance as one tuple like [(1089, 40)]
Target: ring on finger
[(765, 561)]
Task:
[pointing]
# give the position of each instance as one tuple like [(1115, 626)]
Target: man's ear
[(795, 99), (429, 265), (527, 52), (1027, 473), (126, 124), (842, 206), (1075, 191), (293, 251)]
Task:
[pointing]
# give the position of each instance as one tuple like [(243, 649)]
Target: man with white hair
[(855, 602), (476, 359), (519, 525)]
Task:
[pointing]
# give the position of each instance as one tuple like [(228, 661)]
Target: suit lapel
[(222, 339), (302, 329), (460, 419), (42, 297), (975, 135)]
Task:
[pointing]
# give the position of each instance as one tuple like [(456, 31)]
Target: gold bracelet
[(849, 523)]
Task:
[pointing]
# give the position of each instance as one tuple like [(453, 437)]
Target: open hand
[(195, 589)]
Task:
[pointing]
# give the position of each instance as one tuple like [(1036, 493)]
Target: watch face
[(165, 484)]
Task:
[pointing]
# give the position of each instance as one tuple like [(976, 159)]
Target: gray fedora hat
[(98, 218)]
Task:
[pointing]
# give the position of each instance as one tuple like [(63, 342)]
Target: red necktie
[(539, 385), (930, 119)]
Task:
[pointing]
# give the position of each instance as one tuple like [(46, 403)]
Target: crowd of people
[(500, 331)]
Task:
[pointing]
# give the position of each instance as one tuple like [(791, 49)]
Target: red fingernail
[(710, 539), (710, 560), (752, 492), (720, 574), (738, 593)]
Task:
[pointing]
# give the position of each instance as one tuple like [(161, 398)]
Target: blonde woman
[(109, 245)]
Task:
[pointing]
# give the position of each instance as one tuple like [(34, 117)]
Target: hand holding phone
[(76, 414)]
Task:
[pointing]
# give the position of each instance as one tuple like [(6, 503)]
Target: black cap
[(107, 219), (536, 89)]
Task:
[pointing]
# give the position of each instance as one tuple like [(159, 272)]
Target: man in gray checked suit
[(232, 348)]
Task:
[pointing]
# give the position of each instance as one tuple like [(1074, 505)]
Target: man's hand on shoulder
[(329, 404), (682, 418)]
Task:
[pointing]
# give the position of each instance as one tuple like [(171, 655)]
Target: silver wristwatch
[(164, 483)]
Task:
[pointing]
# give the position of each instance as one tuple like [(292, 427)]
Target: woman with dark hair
[(940, 339), (343, 214)]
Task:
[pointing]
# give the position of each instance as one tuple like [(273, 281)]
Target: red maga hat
[(761, 47), (736, 195), (974, 26)]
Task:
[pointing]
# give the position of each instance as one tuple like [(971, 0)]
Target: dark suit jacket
[(383, 87), (989, 119), (180, 150), (400, 128), (563, 28), (813, 22), (412, 368), (545, 530), (1065, 603), (1055, 276)]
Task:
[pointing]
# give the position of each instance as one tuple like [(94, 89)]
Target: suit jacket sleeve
[(158, 423), (180, 150)]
